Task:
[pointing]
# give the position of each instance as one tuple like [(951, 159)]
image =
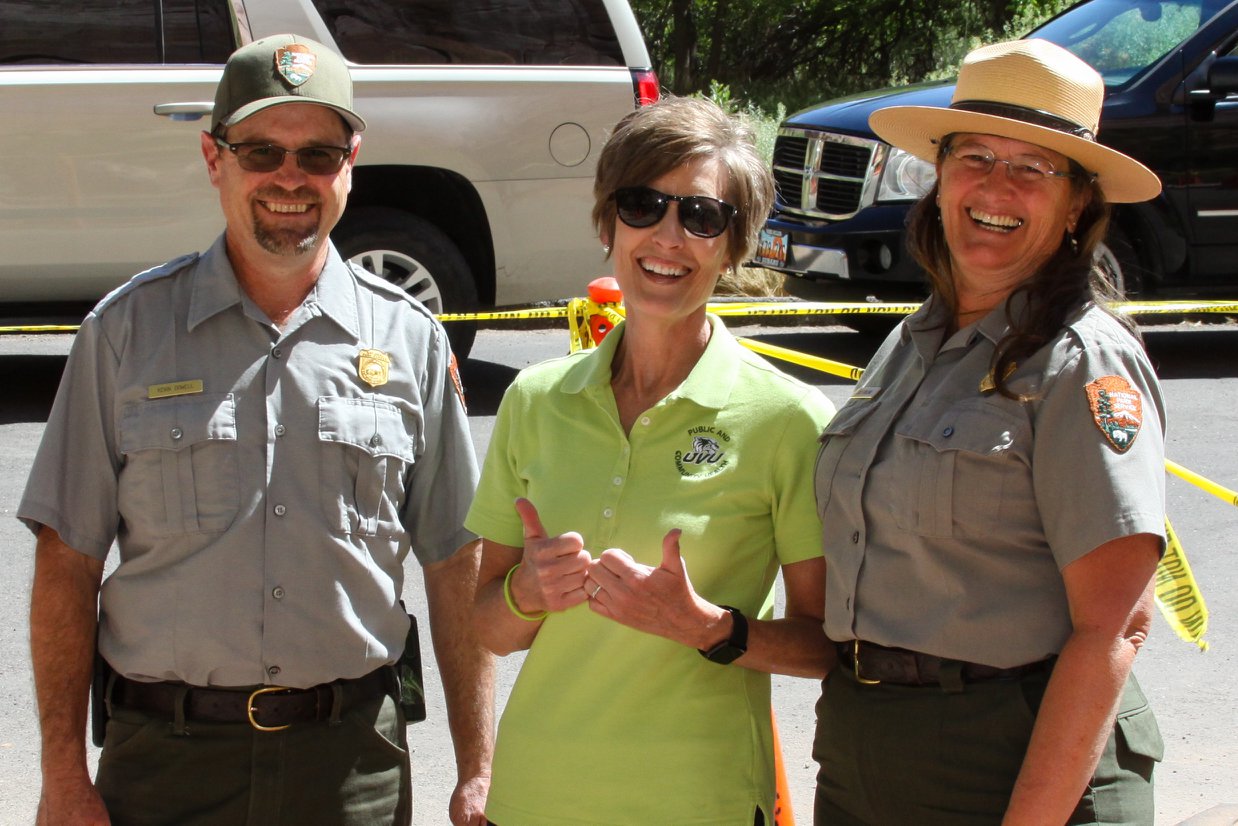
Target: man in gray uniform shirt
[(266, 431)]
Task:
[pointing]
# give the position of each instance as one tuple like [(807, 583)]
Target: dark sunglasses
[(265, 157), (640, 206)]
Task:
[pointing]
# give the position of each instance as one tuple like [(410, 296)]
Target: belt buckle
[(249, 707), (858, 678)]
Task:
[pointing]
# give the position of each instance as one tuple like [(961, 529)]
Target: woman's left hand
[(657, 600)]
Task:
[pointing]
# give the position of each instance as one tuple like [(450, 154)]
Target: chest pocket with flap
[(180, 473), (367, 450)]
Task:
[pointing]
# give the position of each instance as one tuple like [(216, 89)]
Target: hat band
[(1032, 116)]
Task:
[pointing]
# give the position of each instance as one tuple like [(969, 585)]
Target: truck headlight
[(905, 177)]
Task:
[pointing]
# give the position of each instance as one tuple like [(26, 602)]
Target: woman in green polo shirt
[(638, 501)]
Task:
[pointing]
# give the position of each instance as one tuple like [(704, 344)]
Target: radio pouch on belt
[(408, 672)]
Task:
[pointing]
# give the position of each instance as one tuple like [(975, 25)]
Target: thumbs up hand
[(551, 576), (657, 600)]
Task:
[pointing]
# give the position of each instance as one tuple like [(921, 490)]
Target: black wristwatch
[(729, 650)]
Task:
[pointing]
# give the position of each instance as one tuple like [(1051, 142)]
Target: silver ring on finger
[(596, 589)]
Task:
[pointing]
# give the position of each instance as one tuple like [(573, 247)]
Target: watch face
[(724, 653)]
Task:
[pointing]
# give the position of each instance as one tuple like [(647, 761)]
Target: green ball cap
[(283, 68)]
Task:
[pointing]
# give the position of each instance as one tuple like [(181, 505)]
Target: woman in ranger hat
[(992, 495)]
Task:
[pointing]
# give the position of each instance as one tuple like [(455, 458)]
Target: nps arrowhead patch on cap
[(1117, 409), (295, 63)]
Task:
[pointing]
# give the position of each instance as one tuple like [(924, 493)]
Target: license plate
[(773, 247)]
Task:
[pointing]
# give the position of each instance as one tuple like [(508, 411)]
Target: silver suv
[(472, 188)]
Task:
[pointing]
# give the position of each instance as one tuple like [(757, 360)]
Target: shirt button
[(644, 420), (855, 538), (280, 510), (280, 430), (608, 513), (273, 671), (618, 480), (277, 592), (376, 440), (177, 433), (948, 432), (278, 353)]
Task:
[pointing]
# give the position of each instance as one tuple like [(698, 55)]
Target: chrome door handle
[(184, 111)]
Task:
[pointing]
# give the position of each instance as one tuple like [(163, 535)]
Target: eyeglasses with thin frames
[(266, 157), (642, 206), (1025, 169)]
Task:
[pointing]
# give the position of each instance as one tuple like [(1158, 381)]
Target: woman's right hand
[(552, 571)]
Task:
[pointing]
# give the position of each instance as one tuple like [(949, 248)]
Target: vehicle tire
[(1117, 260), (417, 257)]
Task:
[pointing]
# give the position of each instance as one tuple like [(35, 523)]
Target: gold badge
[(988, 384), (295, 63), (1117, 409), (373, 366)]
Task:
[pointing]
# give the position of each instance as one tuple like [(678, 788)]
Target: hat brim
[(919, 130), (254, 107)]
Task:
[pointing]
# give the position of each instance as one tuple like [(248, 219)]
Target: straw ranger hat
[(1027, 90)]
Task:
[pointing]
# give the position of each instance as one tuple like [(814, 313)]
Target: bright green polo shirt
[(607, 725)]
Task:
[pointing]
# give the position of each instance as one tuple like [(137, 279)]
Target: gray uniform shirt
[(262, 494), (949, 510)]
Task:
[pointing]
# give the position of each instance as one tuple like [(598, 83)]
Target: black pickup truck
[(1171, 82)]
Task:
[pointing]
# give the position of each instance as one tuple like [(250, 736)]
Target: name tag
[(174, 388)]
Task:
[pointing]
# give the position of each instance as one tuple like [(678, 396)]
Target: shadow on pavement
[(29, 386), (484, 385)]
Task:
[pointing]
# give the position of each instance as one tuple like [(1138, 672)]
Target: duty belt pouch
[(98, 697), (408, 673)]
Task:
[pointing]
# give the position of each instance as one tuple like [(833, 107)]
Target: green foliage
[(795, 53)]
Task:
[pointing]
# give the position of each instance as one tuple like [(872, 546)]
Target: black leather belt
[(873, 664), (266, 708)]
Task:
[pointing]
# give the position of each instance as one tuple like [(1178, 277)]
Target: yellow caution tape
[(1224, 494), (825, 365), (1177, 595), (1158, 307), (506, 315), (755, 309), (765, 308), (41, 328)]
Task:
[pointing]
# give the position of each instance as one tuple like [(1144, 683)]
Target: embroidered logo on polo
[(295, 63), (1117, 409), (706, 454)]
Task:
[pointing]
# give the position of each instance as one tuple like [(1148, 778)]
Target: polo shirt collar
[(708, 385), (216, 289)]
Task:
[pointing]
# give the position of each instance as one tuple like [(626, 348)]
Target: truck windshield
[(1123, 38)]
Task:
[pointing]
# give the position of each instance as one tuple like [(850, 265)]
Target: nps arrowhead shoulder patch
[(1117, 409)]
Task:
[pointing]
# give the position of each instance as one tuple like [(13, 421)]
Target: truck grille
[(824, 174)]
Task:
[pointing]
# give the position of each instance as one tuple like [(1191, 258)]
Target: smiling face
[(665, 272), (286, 212), (1000, 230)]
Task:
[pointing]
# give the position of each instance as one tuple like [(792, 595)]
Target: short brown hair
[(655, 140)]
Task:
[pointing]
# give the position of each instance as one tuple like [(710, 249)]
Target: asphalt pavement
[(1192, 691)]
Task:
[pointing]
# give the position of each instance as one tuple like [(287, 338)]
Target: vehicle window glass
[(520, 32), (114, 31), (1121, 39)]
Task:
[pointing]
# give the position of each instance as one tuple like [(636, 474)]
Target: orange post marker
[(603, 291), (784, 815)]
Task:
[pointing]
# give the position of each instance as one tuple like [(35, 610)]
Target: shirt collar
[(926, 325), (215, 289), (708, 385)]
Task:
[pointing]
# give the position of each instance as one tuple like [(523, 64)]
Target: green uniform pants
[(894, 755), (354, 772)]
